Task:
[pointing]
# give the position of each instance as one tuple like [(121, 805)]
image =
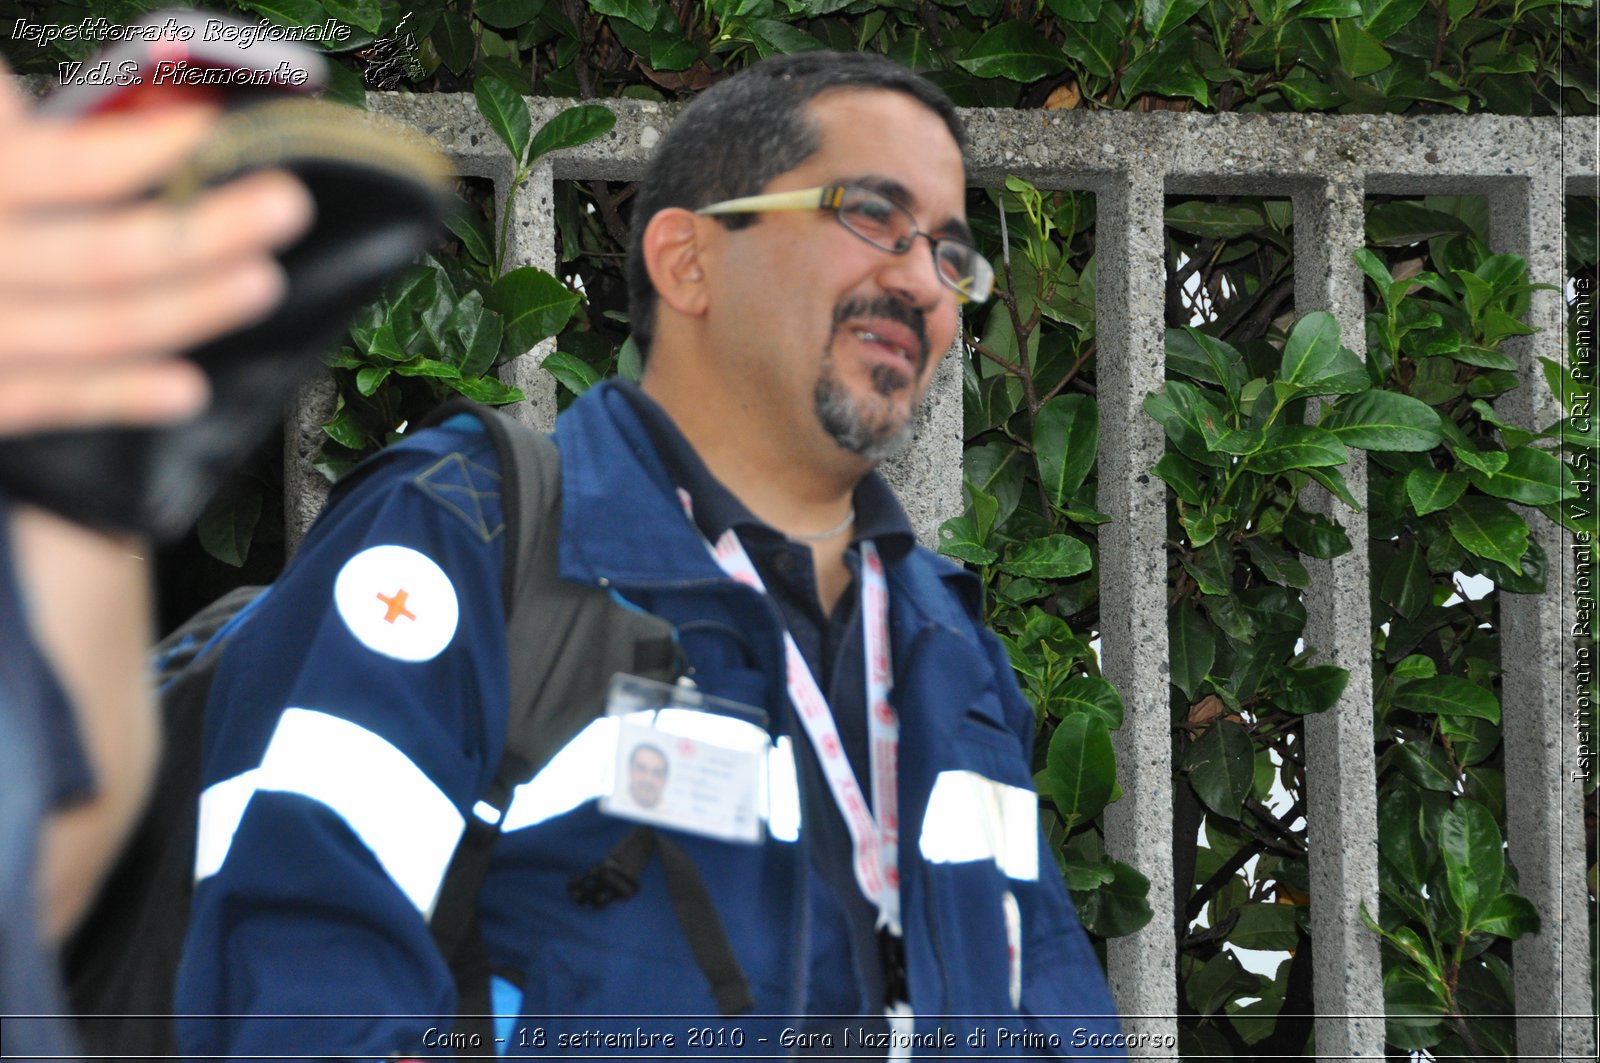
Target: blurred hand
[(99, 291)]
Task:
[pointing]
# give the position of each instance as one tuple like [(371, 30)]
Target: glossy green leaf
[(1360, 53), (1426, 765), (1216, 981), (1193, 647), (1097, 45), (1080, 767), (506, 112), (1221, 767), (228, 525), (1508, 916), (1311, 352), (1306, 93), (1401, 841), (570, 128), (1404, 581), (1207, 359), (1329, 9), (480, 341), (1266, 927), (1447, 695), (1315, 688), (343, 428), (1075, 10), (369, 379), (1013, 50), (642, 13), (1119, 907), (380, 342), (1277, 564), (1051, 557), (1485, 461), (1087, 693), (508, 14), (1530, 476), (1375, 270), (1403, 223), (572, 372), (1296, 446), (287, 12), (362, 13), (1189, 419), (487, 390), (1474, 861), (533, 304), (1066, 436), (1215, 221), (1383, 421), (1161, 17), (467, 226), (452, 38), (1314, 534), (1183, 476), (958, 538), (997, 468), (1333, 481), (1416, 666), (1431, 490), (428, 367), (1487, 528)]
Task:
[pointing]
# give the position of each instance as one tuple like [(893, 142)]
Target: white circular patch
[(398, 602)]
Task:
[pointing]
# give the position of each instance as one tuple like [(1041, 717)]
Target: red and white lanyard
[(874, 840)]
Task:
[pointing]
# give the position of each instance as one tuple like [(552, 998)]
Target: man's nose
[(915, 274)]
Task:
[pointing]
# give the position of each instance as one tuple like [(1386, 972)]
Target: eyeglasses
[(884, 224)]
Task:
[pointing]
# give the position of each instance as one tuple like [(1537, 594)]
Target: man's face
[(837, 339), (647, 776)]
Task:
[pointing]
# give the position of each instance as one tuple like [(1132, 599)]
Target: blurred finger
[(153, 241), (96, 160), (139, 321), (66, 396)]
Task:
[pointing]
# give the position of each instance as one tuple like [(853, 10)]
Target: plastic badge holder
[(701, 762)]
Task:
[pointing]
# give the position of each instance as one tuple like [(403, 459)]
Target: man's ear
[(673, 255)]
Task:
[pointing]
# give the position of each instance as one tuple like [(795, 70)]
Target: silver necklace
[(838, 529)]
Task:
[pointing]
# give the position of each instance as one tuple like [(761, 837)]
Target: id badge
[(686, 760)]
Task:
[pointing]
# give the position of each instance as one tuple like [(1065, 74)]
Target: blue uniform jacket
[(359, 715)]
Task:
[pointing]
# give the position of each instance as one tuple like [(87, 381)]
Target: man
[(647, 775), (789, 340), (98, 293)]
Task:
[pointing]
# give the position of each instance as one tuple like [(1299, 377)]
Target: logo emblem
[(397, 602)]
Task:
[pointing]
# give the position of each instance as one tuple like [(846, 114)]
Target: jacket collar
[(621, 520), (620, 517)]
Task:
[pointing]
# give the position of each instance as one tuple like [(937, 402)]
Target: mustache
[(891, 309)]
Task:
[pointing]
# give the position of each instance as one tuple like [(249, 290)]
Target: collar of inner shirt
[(879, 517)]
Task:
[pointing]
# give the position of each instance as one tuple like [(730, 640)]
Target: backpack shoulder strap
[(564, 641)]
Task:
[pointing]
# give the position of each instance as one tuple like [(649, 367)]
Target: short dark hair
[(743, 132)]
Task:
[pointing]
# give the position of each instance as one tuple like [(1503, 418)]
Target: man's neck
[(777, 477)]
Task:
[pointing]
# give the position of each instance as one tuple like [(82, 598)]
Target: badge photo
[(687, 761)]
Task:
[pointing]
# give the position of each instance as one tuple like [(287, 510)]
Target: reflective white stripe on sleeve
[(221, 808), (972, 817), (581, 771), (405, 820), (783, 791)]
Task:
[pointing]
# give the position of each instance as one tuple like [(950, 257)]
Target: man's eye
[(872, 212)]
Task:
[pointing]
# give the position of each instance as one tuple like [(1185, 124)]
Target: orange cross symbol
[(397, 607)]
